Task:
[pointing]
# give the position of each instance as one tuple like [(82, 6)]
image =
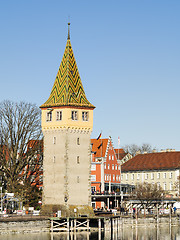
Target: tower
[(67, 122)]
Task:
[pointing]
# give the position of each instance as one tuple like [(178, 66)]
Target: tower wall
[(67, 167)]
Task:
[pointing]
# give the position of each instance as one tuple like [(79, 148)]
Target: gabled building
[(122, 156), (162, 168), (105, 169)]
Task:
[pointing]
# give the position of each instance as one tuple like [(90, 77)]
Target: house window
[(126, 176), (93, 167), (171, 186), (78, 141), (158, 175), (54, 159), (93, 178), (170, 175), (158, 185), (117, 177), (165, 186), (115, 167), (108, 166), (105, 166), (138, 176), (78, 161), (113, 177), (164, 175), (49, 116), (152, 175), (109, 157), (74, 115), (112, 166), (132, 176), (121, 177), (59, 116), (112, 157), (85, 116), (93, 189), (54, 140), (109, 177), (146, 176), (119, 167)]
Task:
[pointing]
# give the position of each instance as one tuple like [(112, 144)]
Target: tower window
[(78, 141), (49, 116), (54, 140), (85, 116), (78, 161), (74, 115), (77, 179), (59, 116)]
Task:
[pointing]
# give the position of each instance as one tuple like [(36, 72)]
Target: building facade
[(162, 168), (67, 122), (105, 169)]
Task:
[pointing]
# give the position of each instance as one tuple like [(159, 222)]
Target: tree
[(133, 149), (20, 157), (147, 193), (177, 186)]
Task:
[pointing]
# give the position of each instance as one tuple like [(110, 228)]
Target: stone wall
[(24, 226)]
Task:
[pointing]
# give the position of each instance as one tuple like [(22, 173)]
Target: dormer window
[(85, 116), (49, 116), (74, 115), (59, 116)]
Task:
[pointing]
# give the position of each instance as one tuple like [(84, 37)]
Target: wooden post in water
[(88, 229), (75, 225), (67, 224), (51, 225)]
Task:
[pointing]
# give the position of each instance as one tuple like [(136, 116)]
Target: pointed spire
[(68, 31), (68, 89)]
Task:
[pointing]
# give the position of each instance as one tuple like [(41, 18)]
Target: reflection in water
[(127, 233)]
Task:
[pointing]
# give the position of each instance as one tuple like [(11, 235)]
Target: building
[(105, 168), (122, 156), (67, 122), (162, 168)]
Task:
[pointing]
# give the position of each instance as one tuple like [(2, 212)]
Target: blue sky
[(128, 56)]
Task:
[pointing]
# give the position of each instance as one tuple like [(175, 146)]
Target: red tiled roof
[(120, 153), (153, 161), (99, 152)]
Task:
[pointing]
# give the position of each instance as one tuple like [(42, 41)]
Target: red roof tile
[(120, 153), (153, 161), (97, 149)]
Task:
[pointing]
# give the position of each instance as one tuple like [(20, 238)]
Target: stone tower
[(67, 122)]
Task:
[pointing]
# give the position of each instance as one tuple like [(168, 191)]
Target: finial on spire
[(68, 30)]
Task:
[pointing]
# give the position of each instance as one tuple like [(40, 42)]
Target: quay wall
[(24, 226)]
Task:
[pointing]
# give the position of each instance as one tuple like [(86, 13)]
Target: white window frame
[(49, 116), (93, 167), (158, 175), (170, 175), (85, 116), (112, 166), (93, 178), (59, 116), (74, 115), (152, 176), (164, 175), (112, 157)]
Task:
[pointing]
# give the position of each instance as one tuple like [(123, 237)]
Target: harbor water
[(166, 232)]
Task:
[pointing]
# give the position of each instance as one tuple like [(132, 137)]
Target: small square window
[(85, 116), (74, 115), (59, 116)]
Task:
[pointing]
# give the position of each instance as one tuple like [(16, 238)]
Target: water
[(126, 233)]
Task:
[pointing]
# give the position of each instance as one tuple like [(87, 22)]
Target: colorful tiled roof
[(153, 161), (99, 147), (68, 89)]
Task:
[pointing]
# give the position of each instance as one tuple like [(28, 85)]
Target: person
[(175, 210)]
